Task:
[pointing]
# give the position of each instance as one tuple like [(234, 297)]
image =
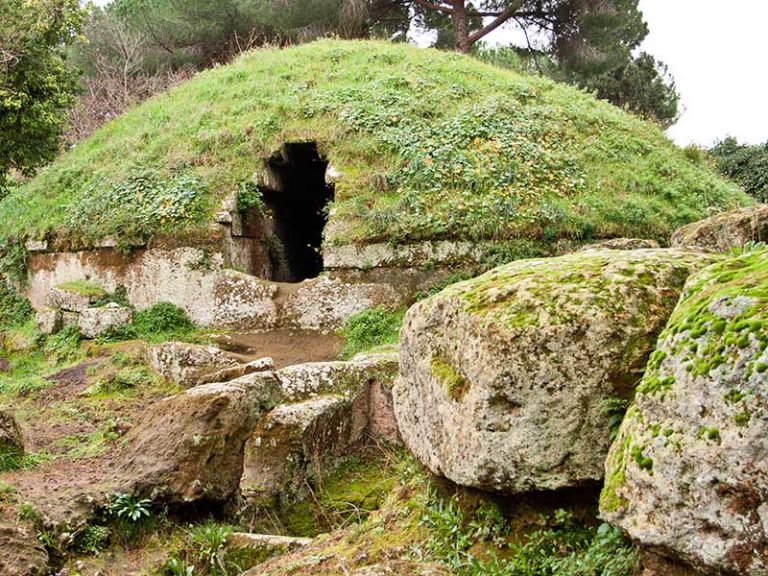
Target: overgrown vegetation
[(471, 534), (371, 328), (204, 553), (130, 516), (158, 323), (563, 546), (504, 156), (138, 207), (15, 309), (37, 84), (746, 165)]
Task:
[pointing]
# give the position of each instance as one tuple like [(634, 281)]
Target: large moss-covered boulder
[(688, 473), (189, 447), (726, 231), (505, 379)]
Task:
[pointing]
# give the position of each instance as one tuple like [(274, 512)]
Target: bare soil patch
[(285, 347)]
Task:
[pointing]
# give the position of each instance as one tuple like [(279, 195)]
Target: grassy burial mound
[(425, 145)]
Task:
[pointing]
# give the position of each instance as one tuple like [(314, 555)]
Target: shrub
[(204, 553), (208, 541), (128, 507), (746, 165), (15, 309), (249, 197), (163, 321), (92, 539), (369, 328), (163, 317)]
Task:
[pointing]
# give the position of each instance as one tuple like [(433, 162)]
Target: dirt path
[(285, 347)]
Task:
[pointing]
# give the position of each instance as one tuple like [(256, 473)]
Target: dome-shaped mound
[(424, 144)]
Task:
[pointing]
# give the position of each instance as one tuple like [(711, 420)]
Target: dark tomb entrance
[(298, 196)]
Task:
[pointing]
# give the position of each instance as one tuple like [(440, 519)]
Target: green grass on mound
[(430, 144)]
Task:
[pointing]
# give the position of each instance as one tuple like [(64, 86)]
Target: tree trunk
[(461, 26)]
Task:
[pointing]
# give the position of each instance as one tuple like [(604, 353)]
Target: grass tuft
[(371, 328)]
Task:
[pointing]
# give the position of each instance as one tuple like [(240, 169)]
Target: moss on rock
[(503, 377), (696, 432)]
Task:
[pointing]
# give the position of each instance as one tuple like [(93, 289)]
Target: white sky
[(718, 55)]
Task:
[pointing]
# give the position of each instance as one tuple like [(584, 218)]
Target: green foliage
[(158, 323), (587, 43), (358, 486), (178, 39), (130, 508), (208, 540), (438, 287), (204, 553), (162, 318), (6, 489), (177, 567), (504, 157), (15, 309), (119, 296), (27, 512), (565, 546), (92, 539), (14, 461), (129, 516), (614, 408), (36, 82), (138, 207), (454, 383), (643, 86), (84, 288), (370, 328), (569, 548), (748, 248), (513, 58), (13, 261), (746, 165), (44, 355), (64, 346), (249, 197), (125, 380)]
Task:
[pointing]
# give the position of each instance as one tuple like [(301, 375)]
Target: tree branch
[(530, 47), (433, 6), (498, 21)]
